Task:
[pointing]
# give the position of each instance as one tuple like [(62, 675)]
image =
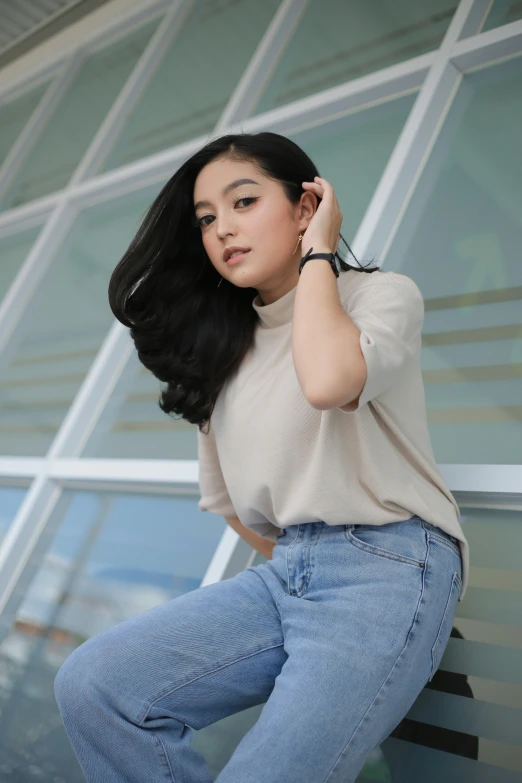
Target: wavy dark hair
[(188, 334)]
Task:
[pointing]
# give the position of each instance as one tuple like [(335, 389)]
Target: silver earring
[(220, 282)]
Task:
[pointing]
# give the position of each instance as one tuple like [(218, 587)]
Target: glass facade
[(337, 41), (105, 557), (471, 275), (102, 486)]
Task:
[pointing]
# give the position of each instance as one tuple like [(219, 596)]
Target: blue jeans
[(338, 633)]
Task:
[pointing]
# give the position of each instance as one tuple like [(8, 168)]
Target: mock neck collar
[(276, 313)]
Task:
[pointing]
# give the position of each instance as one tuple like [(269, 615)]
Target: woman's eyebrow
[(235, 184)]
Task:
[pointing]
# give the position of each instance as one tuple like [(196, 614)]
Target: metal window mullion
[(94, 392), (489, 47), (27, 282), (392, 195), (263, 64), (38, 121), (23, 534), (132, 91)]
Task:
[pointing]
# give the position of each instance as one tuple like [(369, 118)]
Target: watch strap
[(331, 257)]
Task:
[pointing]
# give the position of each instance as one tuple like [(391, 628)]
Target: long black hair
[(188, 333)]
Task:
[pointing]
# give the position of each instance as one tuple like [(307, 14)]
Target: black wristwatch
[(331, 257)]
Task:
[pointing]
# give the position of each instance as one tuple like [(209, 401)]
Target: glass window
[(134, 426), (15, 115), (10, 500), (502, 12), (196, 77), (14, 249), (339, 40), (72, 127), (460, 240), (64, 326), (351, 153), (105, 557), (470, 709)]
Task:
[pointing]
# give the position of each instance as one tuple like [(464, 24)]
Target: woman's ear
[(308, 205)]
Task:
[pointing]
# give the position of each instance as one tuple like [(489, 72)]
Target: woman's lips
[(239, 257)]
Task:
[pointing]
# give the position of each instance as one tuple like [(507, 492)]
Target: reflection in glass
[(460, 240), (14, 249), (10, 501), (15, 115), (133, 425), (105, 557), (503, 12), (195, 78), (339, 40), (65, 326), (351, 152), (76, 120)]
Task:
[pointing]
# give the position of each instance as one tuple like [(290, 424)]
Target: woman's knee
[(83, 671)]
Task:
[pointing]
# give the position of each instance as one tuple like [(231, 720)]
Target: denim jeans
[(336, 635)]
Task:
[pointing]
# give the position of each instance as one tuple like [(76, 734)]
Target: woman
[(317, 440)]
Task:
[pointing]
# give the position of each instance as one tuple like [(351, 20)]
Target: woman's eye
[(245, 198)]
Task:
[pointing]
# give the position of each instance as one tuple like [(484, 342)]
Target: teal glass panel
[(72, 127), (465, 723), (105, 557), (196, 78), (133, 425), (10, 501), (502, 12), (339, 40), (460, 240), (14, 249), (15, 115), (64, 326), (351, 152)]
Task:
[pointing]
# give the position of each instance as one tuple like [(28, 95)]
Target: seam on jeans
[(400, 655), (372, 549), (435, 659), (445, 542), (172, 778), (205, 674)]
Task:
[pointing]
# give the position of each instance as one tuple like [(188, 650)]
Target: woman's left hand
[(323, 230)]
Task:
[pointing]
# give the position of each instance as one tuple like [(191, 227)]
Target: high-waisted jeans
[(336, 635)]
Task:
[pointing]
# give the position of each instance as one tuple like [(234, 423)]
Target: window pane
[(106, 557), (464, 725), (14, 117), (461, 239), (64, 326), (79, 114), (337, 41), (10, 500), (351, 153), (503, 12), (134, 426), (196, 78), (14, 249)]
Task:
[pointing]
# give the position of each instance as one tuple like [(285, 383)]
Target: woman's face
[(255, 215)]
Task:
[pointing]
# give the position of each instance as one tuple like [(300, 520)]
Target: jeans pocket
[(446, 624), (387, 540)]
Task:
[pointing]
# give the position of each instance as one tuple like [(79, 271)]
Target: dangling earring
[(220, 282), (300, 238)]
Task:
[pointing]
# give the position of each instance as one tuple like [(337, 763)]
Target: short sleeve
[(212, 487), (389, 312)]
